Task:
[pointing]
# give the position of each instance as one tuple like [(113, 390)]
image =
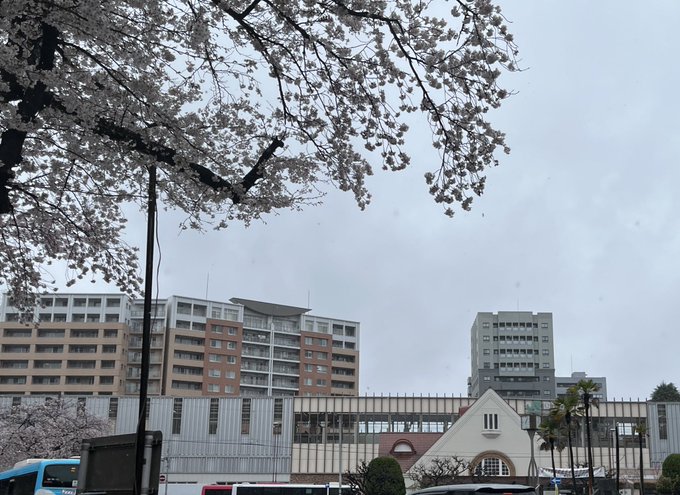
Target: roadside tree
[(241, 108), (439, 471), (53, 428)]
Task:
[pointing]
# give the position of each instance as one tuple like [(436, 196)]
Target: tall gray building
[(513, 353)]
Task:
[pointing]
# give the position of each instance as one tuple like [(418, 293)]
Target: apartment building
[(512, 352), (91, 344)]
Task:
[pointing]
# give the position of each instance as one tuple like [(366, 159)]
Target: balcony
[(287, 356)]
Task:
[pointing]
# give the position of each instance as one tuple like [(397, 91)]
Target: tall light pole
[(529, 424), (146, 332)]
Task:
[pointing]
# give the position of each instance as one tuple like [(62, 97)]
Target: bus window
[(216, 490), (60, 476)]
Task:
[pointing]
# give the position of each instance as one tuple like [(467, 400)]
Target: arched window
[(492, 466)]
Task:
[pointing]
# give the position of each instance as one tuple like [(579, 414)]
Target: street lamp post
[(530, 425), (617, 465)]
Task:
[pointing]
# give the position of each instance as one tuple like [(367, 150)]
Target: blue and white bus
[(41, 477)]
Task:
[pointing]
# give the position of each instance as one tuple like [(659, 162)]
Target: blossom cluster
[(243, 107)]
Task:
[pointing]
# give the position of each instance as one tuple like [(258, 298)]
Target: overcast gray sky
[(580, 220)]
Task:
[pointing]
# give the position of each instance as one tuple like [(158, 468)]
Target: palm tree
[(552, 433), (641, 430), (566, 408), (585, 390)]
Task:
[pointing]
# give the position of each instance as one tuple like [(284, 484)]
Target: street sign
[(555, 481), (161, 478)]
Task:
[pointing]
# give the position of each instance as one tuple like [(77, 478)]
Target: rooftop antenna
[(207, 283), (308, 296)]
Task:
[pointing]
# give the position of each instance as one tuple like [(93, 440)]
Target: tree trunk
[(586, 404)]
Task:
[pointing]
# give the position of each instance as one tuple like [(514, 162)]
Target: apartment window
[(183, 308), (80, 364), (487, 365), (215, 344), (177, 416), (228, 389), (108, 364), (486, 352), (22, 348), (322, 369), (84, 334), (309, 368), (111, 318), (111, 334), (350, 331), (230, 374), (46, 364), (485, 324), (59, 317), (545, 338), (321, 327), (232, 330), (349, 345), (546, 352), (79, 302), (82, 349), (46, 380), (14, 364), (546, 365), (321, 382), (18, 332), (214, 414), (13, 380), (106, 380), (323, 342), (213, 388), (109, 349), (308, 382), (231, 359), (80, 380), (487, 378), (544, 325), (214, 374), (214, 358), (231, 345), (322, 356), (113, 302), (49, 333), (308, 354), (199, 326), (485, 338), (491, 421), (245, 416), (309, 341), (217, 329)]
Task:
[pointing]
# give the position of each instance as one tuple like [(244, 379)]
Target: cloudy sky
[(580, 220)]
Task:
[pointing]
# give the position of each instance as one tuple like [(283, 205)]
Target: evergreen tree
[(384, 477), (666, 392)]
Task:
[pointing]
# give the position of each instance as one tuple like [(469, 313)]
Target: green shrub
[(671, 466), (384, 477)]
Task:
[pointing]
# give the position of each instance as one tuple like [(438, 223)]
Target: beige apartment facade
[(91, 344)]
